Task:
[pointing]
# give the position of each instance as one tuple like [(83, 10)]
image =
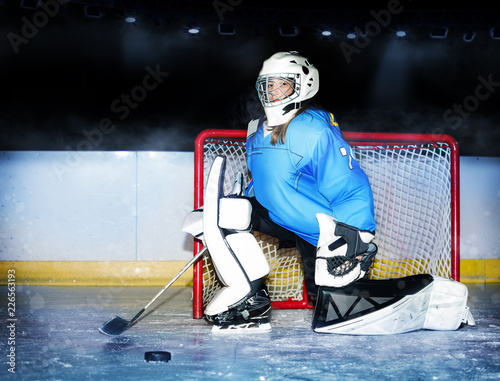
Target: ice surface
[(57, 338)]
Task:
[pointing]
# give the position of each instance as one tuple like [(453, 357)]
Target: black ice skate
[(251, 315)]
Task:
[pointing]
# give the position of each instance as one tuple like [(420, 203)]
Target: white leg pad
[(236, 256), (249, 254), (251, 260), (447, 306), (440, 304)]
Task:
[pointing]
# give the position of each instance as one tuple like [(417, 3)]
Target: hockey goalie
[(362, 307), (308, 191)]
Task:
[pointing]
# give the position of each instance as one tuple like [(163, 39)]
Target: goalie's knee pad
[(344, 253), (237, 257)]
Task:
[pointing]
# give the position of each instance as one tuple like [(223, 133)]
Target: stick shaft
[(188, 265), (136, 316)]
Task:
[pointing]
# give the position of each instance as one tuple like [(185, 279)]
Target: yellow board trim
[(480, 270), (159, 273), (96, 273)]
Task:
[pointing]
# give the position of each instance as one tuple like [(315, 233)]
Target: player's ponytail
[(279, 132)]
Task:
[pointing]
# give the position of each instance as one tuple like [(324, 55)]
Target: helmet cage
[(276, 96)]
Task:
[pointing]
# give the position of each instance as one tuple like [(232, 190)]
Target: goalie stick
[(117, 325)]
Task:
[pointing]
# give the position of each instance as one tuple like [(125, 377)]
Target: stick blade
[(114, 326)]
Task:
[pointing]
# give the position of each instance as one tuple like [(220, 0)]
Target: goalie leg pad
[(447, 306), (235, 253), (344, 253), (380, 307)]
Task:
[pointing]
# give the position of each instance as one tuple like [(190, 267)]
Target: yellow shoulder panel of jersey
[(333, 122)]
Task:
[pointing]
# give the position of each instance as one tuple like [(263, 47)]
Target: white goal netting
[(412, 189)]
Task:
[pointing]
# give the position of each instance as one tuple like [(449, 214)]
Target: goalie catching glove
[(344, 253)]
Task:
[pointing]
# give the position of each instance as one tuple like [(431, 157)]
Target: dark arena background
[(70, 64)]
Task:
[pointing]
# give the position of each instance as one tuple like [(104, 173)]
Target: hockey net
[(414, 179)]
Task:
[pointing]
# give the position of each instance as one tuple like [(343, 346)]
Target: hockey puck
[(157, 356)]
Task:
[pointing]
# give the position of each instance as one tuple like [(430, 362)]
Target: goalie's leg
[(243, 302), (391, 306)]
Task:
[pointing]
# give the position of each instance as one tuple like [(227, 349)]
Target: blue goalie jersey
[(314, 171)]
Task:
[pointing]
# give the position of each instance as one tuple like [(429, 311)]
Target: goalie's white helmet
[(285, 81)]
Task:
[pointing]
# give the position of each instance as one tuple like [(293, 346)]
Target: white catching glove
[(344, 253)]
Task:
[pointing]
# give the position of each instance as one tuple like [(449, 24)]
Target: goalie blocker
[(379, 307)]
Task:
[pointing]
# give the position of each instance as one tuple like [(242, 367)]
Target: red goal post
[(415, 182)]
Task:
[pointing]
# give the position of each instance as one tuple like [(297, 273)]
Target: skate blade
[(241, 329)]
